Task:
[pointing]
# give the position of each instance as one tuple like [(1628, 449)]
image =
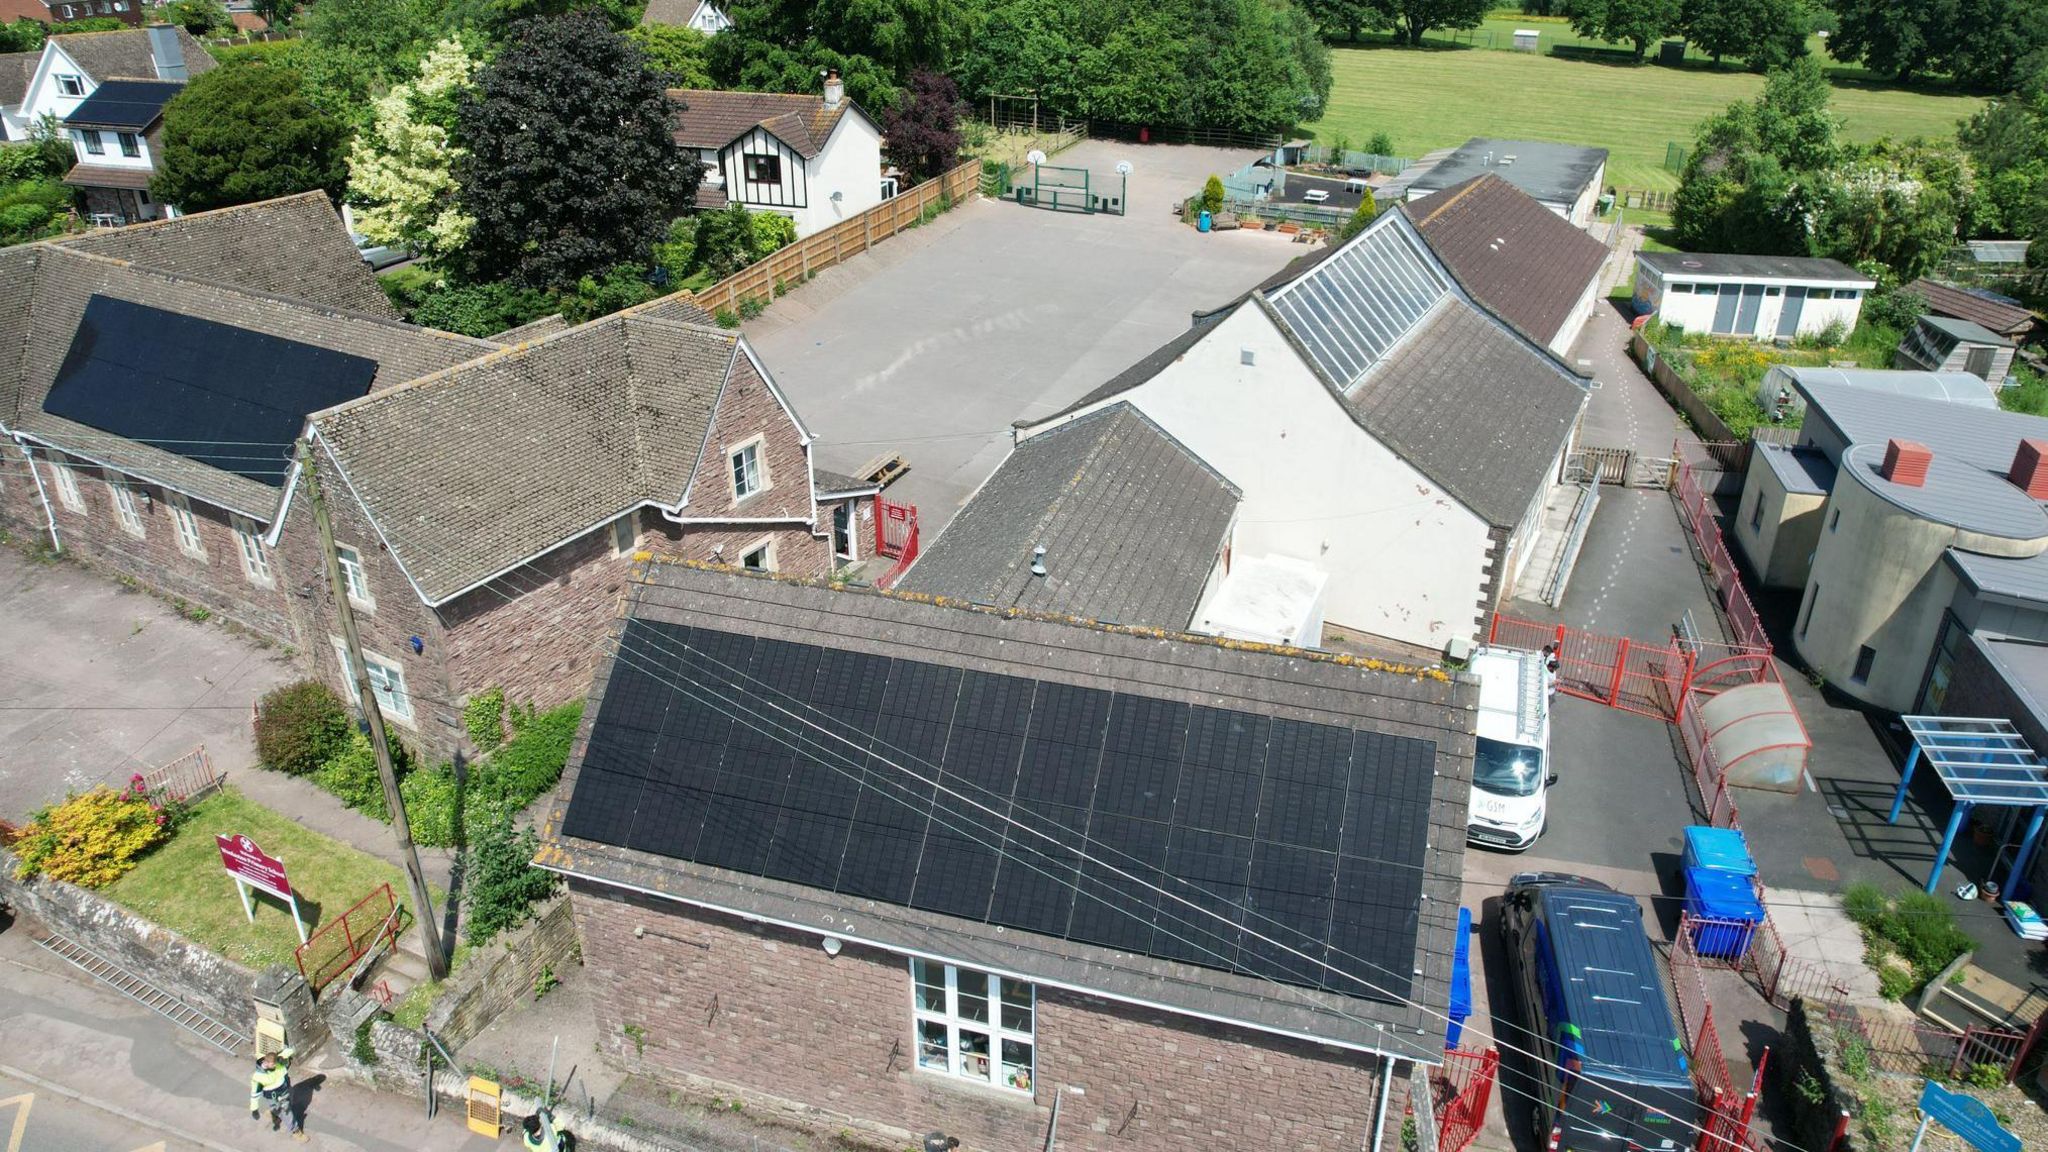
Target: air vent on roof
[(2030, 468), (1905, 462), (1690, 264)]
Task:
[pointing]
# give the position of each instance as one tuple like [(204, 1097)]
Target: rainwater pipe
[(1379, 1114), (49, 515)]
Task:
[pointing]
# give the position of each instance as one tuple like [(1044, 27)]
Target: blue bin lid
[(1461, 968), (1719, 848), (1722, 895)]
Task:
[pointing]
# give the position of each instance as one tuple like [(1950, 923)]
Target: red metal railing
[(1462, 1087), (895, 537), (1698, 509), (336, 946)]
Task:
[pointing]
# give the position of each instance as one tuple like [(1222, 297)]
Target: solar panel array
[(213, 393), (1025, 803), (1351, 309), (132, 105)]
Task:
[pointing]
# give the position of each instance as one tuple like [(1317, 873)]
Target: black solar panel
[(220, 395), (124, 105), (1285, 850)]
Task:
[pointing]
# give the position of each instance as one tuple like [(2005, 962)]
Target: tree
[(779, 45), (23, 35), (1350, 17), (678, 54), (237, 135), (353, 49), (1897, 204), (1363, 216), (274, 12), (198, 17), (1982, 43), (924, 127), (570, 167), (1412, 18), (1212, 193), (1636, 21), (1755, 30), (1735, 192), (2007, 141), (402, 168)]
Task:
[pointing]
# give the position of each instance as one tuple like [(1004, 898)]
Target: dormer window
[(764, 169), (70, 85)]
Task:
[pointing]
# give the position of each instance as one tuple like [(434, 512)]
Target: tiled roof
[(1132, 523), (125, 55), (473, 470), (707, 118), (292, 246), (1747, 265), (1947, 300), (106, 176), (16, 69), (533, 329), (1521, 260), (676, 12)]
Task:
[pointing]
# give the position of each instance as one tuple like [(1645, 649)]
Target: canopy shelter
[(1980, 761)]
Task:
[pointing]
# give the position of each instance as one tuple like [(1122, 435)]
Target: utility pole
[(422, 903)]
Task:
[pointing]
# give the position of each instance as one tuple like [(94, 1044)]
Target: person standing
[(538, 1132), (271, 1084)]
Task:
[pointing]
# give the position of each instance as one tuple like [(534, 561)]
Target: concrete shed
[(1751, 297)]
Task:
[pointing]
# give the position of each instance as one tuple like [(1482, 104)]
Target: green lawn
[(183, 887), (1434, 98)]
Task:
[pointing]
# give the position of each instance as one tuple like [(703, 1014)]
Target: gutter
[(49, 515)]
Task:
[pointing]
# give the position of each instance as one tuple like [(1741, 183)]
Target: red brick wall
[(766, 1011)]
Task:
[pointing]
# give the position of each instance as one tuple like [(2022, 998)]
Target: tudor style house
[(117, 134), (486, 498), (72, 66), (814, 159), (696, 15)]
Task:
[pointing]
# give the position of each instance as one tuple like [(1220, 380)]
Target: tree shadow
[(458, 821)]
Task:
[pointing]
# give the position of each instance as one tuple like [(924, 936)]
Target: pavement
[(932, 343)]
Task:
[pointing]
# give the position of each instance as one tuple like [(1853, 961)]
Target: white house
[(698, 15), (1753, 297), (814, 159), (72, 65), (116, 134), (1380, 425), (1565, 178)]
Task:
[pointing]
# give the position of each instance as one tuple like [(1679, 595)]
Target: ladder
[(148, 995), (1535, 686)]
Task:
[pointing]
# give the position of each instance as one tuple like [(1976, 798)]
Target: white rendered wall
[(850, 164)]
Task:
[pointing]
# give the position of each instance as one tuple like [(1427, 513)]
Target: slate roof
[(1525, 263), (533, 329), (1552, 173), (833, 483), (16, 70), (1131, 520), (2005, 318), (1282, 684), (293, 246), (1984, 437), (471, 471), (125, 55), (706, 118), (677, 12), (1746, 266)]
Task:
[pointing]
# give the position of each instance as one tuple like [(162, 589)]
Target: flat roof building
[(1750, 297), (1565, 178)]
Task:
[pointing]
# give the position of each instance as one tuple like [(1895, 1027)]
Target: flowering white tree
[(402, 185)]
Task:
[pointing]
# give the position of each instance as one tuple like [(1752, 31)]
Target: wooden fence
[(1675, 389), (766, 279)]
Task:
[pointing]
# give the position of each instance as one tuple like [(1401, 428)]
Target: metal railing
[(896, 537), (1699, 517), (189, 776), (1462, 1088), (335, 946)]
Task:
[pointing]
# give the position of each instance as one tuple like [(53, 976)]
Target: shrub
[(752, 306), (470, 309), (22, 219), (1918, 927), (1895, 983), (1381, 144), (769, 233), (1894, 307), (531, 763), (1212, 194), (351, 775), (429, 796), (301, 726), (725, 240), (91, 839), (484, 716), (503, 883)]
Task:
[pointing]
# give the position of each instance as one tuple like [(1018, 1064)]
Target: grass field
[(1434, 98)]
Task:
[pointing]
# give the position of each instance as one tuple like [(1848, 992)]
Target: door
[(1724, 309), (842, 530), (1980, 362), (1788, 312), (1752, 301)]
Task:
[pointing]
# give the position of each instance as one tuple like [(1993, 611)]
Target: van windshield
[(1507, 769)]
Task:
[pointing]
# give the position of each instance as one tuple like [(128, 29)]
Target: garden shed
[(1948, 344), (1752, 297)]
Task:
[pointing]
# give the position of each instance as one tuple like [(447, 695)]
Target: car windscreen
[(1507, 769)]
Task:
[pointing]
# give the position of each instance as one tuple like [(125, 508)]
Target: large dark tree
[(1413, 18), (571, 169), (1735, 194), (780, 45), (1764, 32), (237, 135), (1636, 21), (1981, 43), (924, 126)]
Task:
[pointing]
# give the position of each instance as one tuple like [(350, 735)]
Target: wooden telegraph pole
[(422, 903)]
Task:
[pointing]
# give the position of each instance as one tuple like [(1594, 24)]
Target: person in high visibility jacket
[(538, 1133), (271, 1084)]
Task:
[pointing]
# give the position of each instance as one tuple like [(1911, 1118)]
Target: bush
[(351, 775), (484, 716), (429, 796), (619, 288), (770, 233), (502, 881), (1381, 144), (2029, 394), (19, 221), (1918, 927), (92, 839), (725, 241), (1893, 308), (471, 309), (531, 764), (1212, 195), (301, 726)]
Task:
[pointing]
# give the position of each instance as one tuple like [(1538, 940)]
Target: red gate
[(895, 537), (1632, 675), (1462, 1088)]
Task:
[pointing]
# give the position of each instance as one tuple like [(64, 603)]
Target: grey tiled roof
[(292, 246), (709, 118), (1132, 523), (16, 69), (840, 483), (676, 12), (533, 329), (125, 55), (1279, 683), (1526, 263), (1985, 437), (1474, 407), (471, 471), (1712, 264)]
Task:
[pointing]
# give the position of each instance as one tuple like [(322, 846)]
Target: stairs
[(401, 968), (1980, 1000), (149, 995), (1566, 512)]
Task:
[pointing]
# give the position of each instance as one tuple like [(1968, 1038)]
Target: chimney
[(835, 90), (166, 53), (2030, 468), (1906, 463)]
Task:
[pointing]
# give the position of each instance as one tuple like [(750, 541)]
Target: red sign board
[(248, 863)]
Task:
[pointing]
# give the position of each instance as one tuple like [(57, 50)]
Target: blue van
[(1612, 1073)]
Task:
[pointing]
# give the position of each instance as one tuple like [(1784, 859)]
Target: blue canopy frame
[(1980, 761)]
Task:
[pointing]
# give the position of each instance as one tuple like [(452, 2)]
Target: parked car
[(1611, 1068), (1511, 774), (378, 256)]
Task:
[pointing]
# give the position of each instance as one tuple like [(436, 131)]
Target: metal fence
[(1354, 161), (1462, 1087), (1698, 510), (335, 946), (1171, 134), (1320, 217), (187, 778)]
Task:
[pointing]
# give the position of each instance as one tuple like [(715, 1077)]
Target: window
[(67, 488), (94, 146), (1756, 514), (70, 85), (1865, 657), (759, 558), (255, 562), (972, 1025), (843, 546), (763, 169), (748, 477), (1682, 288), (355, 578), (130, 146), (387, 682), (1820, 293), (1812, 602), (625, 534), (187, 525), (1834, 519), (125, 510), (1847, 293)]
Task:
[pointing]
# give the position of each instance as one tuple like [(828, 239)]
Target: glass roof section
[(1350, 310), (1982, 761)]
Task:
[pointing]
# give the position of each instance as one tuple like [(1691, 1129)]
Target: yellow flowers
[(92, 839)]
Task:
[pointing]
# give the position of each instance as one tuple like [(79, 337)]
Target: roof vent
[(1906, 463), (1038, 560), (2030, 468)]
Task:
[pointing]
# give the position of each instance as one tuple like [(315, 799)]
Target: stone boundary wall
[(1812, 1060), (502, 973)]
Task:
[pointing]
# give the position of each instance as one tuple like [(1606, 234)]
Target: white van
[(1511, 765)]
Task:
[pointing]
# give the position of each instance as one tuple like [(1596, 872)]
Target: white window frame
[(766, 546), (387, 682), (355, 578), (255, 562), (985, 1069), (851, 509), (185, 525), (68, 493), (125, 512), (66, 82), (625, 534), (747, 483)]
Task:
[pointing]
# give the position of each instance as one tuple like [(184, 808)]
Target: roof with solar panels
[(1260, 836)]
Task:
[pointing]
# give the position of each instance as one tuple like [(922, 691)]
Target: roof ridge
[(209, 213), (1450, 202), (441, 375), (1176, 441)]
